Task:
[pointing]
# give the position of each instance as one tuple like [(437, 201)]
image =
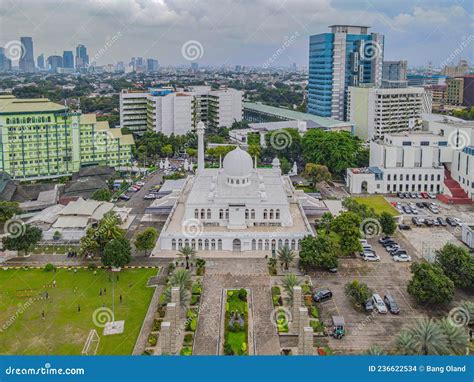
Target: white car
[(458, 221), (431, 195), (392, 247), (368, 256), (379, 304), (149, 196), (141, 184), (402, 258), (132, 189), (363, 241)]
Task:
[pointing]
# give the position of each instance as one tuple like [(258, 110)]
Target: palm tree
[(289, 282), (272, 262), (182, 280), (375, 350), (424, 337), (458, 339), (286, 256), (188, 253), (326, 220)]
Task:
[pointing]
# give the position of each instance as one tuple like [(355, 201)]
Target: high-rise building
[(194, 66), (43, 140), (379, 111), (425, 79), (458, 70), (40, 62), (394, 74), (152, 65), (120, 67), (27, 61), (5, 62), (169, 112), (82, 59), (68, 59), (54, 63), (468, 90), (455, 91), (348, 56)]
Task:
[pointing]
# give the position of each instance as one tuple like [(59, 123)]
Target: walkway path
[(244, 273)]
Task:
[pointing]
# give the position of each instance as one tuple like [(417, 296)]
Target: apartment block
[(376, 112), (40, 139), (455, 91)]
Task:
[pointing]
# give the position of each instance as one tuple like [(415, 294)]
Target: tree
[(289, 282), (457, 264), (347, 226), (316, 172), (219, 151), (28, 237), (387, 223), (188, 253), (181, 279), (325, 222), (191, 152), (102, 195), (429, 284), (8, 210), (146, 240), (167, 150), (96, 238), (424, 337), (318, 252), (375, 350), (457, 337), (286, 256), (358, 292), (254, 150), (117, 253), (362, 210)]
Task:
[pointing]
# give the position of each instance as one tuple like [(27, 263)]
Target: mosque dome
[(238, 163)]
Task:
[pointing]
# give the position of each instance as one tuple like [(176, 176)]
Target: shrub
[(316, 325), (228, 349), (156, 325), (276, 290), (161, 311), (194, 299), (92, 267), (188, 339), (191, 313), (244, 347), (243, 294), (276, 301), (197, 288), (49, 267), (192, 325), (314, 312), (152, 339), (306, 289), (187, 350), (358, 292)]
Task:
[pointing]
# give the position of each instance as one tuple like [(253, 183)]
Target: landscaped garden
[(236, 323), (378, 203), (52, 312)]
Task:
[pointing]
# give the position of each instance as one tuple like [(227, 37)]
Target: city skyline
[(226, 35)]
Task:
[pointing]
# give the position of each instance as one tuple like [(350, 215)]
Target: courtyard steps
[(458, 195)]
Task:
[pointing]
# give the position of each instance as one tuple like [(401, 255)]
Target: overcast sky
[(246, 32)]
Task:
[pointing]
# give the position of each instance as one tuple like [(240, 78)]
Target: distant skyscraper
[(5, 62), (68, 59), (27, 61), (151, 65), (394, 74), (348, 56), (194, 65), (120, 67), (40, 61), (55, 62), (82, 59)]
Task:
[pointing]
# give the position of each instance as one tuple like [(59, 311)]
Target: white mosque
[(237, 207)]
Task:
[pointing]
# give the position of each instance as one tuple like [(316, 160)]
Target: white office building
[(439, 159), (177, 112), (378, 111)]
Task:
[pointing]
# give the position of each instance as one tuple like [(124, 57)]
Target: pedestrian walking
[(100, 292), (120, 298), (42, 315), (78, 309)]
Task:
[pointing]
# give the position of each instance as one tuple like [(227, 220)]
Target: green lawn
[(64, 329), (236, 339), (378, 203)]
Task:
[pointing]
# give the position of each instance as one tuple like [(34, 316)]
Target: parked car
[(363, 241), (384, 238), (379, 304), (398, 252), (413, 195), (400, 195), (428, 222), (367, 256), (458, 221), (402, 258), (416, 221), (323, 294), (451, 222), (420, 205), (404, 227), (441, 221), (407, 195), (369, 305), (141, 184), (389, 243), (431, 195), (434, 209), (149, 196), (392, 247), (391, 304), (124, 197), (424, 195), (132, 189)]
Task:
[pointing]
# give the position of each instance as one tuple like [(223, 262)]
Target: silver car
[(379, 304)]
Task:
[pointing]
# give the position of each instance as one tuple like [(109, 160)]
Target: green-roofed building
[(40, 139)]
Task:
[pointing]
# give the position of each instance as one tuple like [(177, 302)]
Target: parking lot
[(365, 329)]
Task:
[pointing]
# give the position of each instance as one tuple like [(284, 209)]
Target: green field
[(64, 330), (378, 203)]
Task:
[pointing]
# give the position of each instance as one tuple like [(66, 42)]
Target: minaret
[(200, 134)]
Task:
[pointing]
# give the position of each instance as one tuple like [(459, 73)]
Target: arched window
[(208, 213), (180, 243), (221, 214), (219, 245), (277, 214), (260, 244), (227, 213), (186, 243), (271, 214), (293, 244), (206, 245), (8, 121), (193, 243), (203, 214), (280, 244), (48, 119), (252, 214), (265, 214), (267, 245), (287, 243), (254, 245), (173, 244), (196, 213), (237, 181), (213, 244), (200, 244), (246, 213), (299, 245)]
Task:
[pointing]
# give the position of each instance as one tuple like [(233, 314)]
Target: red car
[(424, 195)]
